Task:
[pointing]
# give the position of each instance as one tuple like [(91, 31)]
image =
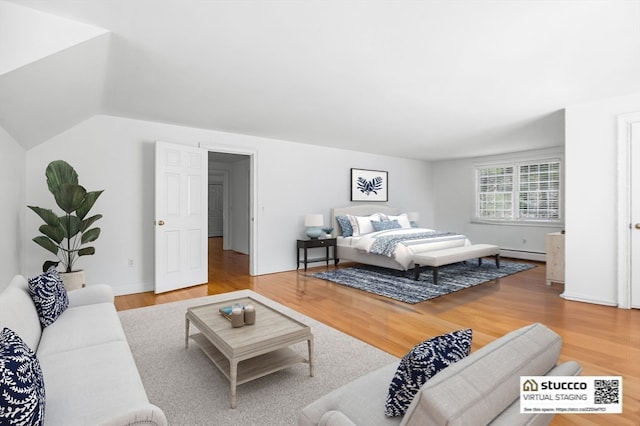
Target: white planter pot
[(73, 280)]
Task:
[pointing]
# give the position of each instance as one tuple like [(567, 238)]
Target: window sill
[(530, 223)]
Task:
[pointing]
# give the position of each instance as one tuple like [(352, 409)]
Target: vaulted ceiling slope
[(418, 79)]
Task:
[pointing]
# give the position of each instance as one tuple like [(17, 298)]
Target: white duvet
[(402, 250)]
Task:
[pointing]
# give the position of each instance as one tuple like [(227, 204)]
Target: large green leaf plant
[(66, 236)]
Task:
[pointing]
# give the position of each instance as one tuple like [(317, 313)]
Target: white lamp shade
[(313, 220)]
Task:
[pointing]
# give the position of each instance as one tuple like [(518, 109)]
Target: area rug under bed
[(396, 285)]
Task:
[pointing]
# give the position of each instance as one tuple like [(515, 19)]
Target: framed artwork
[(369, 185)]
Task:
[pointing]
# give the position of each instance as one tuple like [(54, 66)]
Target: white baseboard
[(524, 255), (579, 298), (121, 290)]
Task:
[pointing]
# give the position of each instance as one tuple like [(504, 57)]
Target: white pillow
[(362, 224), (403, 220)]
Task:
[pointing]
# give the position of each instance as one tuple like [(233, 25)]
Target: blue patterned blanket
[(385, 244)]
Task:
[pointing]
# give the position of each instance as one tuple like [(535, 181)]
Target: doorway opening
[(230, 207)]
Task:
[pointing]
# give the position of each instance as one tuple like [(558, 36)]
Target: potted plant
[(66, 236)]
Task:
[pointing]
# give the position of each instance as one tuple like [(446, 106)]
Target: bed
[(388, 246)]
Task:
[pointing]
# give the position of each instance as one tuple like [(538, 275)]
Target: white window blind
[(519, 192), (495, 193)]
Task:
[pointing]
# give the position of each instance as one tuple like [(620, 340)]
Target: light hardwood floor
[(604, 340)]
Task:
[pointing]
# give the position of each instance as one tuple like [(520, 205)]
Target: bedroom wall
[(12, 182), (591, 238), (117, 155), (454, 195)]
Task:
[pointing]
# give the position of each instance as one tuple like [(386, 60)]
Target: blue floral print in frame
[(369, 185)]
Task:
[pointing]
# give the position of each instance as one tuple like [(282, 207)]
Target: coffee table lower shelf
[(251, 368)]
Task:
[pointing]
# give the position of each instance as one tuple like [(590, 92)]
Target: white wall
[(591, 203), (12, 177), (454, 194), (236, 222), (239, 206), (117, 155)]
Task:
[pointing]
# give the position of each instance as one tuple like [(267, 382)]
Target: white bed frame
[(352, 255)]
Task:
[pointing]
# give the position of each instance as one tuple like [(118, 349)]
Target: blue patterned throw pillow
[(345, 226), (385, 225), (22, 396), (422, 362), (49, 296)]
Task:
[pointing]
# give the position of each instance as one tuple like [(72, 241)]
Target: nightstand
[(305, 245)]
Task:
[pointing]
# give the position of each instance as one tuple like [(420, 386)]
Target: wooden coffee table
[(252, 351)]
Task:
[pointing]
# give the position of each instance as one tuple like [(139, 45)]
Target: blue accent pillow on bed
[(346, 230), (22, 395), (49, 296), (385, 225), (422, 362)]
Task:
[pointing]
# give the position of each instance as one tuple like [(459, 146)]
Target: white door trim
[(253, 196), (624, 207)]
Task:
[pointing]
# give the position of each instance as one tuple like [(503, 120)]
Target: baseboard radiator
[(524, 255)]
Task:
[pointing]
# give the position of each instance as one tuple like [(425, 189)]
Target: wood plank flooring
[(604, 340)]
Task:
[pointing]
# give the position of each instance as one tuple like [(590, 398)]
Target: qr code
[(606, 392)]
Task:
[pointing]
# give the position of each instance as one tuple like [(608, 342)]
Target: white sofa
[(89, 374), (481, 389)]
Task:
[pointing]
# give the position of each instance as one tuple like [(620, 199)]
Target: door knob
[(160, 222), (637, 225)]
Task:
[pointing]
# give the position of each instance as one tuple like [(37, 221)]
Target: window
[(519, 192)]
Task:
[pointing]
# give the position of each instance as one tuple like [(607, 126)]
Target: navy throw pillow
[(22, 396), (49, 296), (422, 362), (345, 226)]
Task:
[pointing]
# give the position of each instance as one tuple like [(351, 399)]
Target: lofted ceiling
[(418, 79)]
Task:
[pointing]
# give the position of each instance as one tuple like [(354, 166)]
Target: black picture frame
[(369, 185)]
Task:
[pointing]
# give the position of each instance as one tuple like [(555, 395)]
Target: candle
[(249, 314)]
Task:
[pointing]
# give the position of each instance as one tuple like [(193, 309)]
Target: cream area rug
[(192, 391)]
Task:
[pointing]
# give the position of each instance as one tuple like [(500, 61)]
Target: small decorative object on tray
[(239, 315), (226, 312), (249, 314)]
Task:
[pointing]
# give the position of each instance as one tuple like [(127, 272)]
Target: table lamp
[(314, 223)]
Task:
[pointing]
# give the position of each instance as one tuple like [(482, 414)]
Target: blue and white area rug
[(396, 285)]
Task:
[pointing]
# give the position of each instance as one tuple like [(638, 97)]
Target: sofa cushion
[(18, 312), (481, 386), (22, 391), (90, 385), (49, 296), (421, 363), (80, 327)]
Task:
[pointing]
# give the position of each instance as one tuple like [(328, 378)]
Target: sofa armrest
[(96, 293), (335, 418), (567, 368), (148, 414)]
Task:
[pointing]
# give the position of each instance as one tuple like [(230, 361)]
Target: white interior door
[(181, 217), (634, 257)]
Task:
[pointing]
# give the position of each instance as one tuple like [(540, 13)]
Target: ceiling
[(429, 80)]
